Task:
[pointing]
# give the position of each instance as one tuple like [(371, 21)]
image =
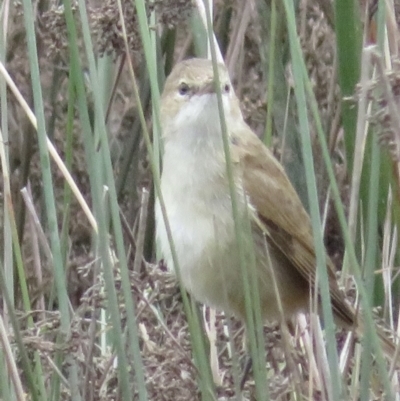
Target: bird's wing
[(280, 213)]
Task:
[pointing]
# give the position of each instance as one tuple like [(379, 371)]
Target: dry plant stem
[(27, 196), (8, 268), (114, 87), (27, 152), (322, 359), (141, 230), (346, 355), (127, 230), (50, 146), (168, 332), (335, 129), (89, 373), (148, 304), (36, 263), (234, 355), (212, 338), (285, 123), (144, 334), (103, 379), (226, 347), (307, 337), (4, 16), (317, 339), (89, 370), (392, 29), (57, 371), (237, 38), (326, 210), (356, 370), (4, 169), (12, 367), (388, 257)]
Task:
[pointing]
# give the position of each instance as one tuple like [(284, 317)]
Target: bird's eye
[(183, 88), (226, 88)]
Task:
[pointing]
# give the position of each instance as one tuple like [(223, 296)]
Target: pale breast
[(204, 238), (199, 209)]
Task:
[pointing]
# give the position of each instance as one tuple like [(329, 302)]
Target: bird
[(198, 204)]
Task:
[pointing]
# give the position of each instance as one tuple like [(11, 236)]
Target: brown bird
[(197, 197)]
